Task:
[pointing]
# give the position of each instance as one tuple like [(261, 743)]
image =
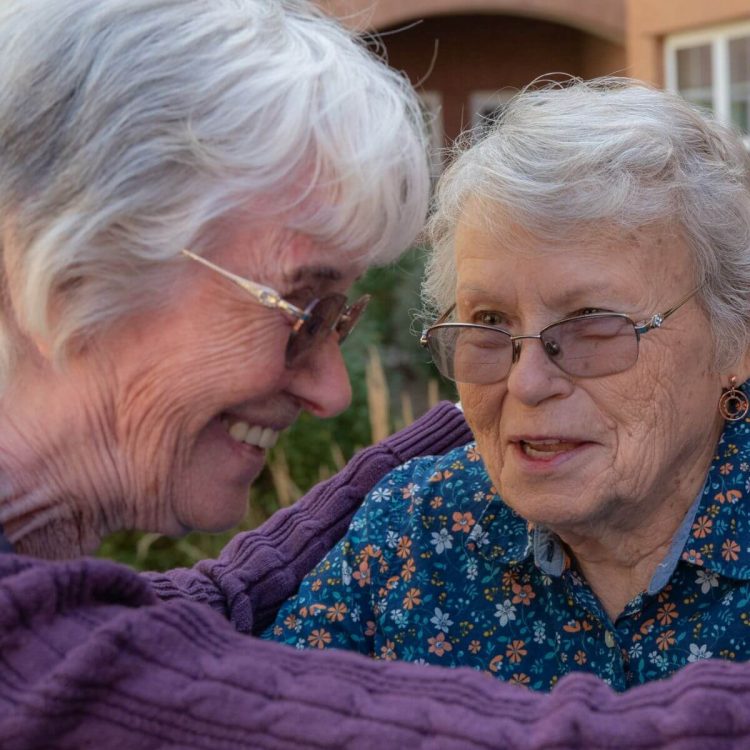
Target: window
[(486, 107), (711, 68)]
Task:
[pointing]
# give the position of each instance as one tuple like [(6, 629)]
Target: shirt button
[(609, 639)]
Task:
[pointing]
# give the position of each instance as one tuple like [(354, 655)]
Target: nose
[(533, 377), (320, 382)]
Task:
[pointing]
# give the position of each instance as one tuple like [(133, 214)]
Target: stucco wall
[(650, 21)]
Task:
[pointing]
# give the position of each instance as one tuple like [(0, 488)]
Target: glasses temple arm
[(263, 294)]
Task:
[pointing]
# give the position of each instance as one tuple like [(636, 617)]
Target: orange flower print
[(725, 468), (463, 522), (580, 658), (438, 645), (665, 640), (516, 651), (362, 576), (403, 548), (702, 527), (410, 490), (475, 647), (412, 599), (666, 613), (732, 496), (388, 651), (336, 612), (472, 454), (316, 585), (496, 662), (692, 556), (519, 679), (436, 502), (319, 638), (408, 569), (523, 594), (730, 550), (291, 621), (509, 578)]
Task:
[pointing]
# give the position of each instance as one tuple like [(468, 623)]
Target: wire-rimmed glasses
[(311, 326), (585, 346)]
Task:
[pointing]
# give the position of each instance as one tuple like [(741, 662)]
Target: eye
[(589, 311), (489, 318)]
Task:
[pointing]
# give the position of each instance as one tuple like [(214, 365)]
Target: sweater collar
[(5, 545)]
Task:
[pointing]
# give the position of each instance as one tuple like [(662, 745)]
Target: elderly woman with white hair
[(590, 277), (187, 188)]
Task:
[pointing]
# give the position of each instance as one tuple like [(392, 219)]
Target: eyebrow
[(317, 273)]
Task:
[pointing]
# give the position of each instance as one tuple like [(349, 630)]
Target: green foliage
[(313, 449)]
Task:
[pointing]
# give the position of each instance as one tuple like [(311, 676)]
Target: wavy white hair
[(611, 153), (128, 126)]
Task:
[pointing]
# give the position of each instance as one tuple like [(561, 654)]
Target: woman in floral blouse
[(590, 274)]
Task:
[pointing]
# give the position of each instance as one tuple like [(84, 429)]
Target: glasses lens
[(351, 316), (322, 317), (469, 354), (591, 346)]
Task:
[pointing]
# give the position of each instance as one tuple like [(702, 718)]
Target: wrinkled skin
[(646, 436), (128, 436)]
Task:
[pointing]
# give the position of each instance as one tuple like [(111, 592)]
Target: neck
[(56, 493), (618, 558)]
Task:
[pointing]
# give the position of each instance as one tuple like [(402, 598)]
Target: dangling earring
[(733, 404)]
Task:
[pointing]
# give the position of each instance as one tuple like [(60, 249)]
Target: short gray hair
[(618, 153), (128, 126)]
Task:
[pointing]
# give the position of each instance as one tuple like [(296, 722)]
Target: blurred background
[(466, 58)]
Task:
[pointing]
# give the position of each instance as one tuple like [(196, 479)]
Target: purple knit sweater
[(93, 655)]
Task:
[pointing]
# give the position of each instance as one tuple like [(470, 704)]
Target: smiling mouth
[(546, 449), (250, 434)]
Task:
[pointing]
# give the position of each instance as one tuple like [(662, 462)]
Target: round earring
[(733, 404)]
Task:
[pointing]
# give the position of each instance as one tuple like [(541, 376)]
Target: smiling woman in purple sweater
[(187, 189)]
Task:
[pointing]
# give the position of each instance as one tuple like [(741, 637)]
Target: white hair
[(618, 154), (128, 126)]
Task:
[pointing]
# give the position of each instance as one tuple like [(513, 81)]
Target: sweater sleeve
[(90, 658), (260, 569)]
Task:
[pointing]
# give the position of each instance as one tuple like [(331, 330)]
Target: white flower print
[(699, 652), (635, 651), (707, 580), (391, 539), (479, 536), (505, 612), (442, 540), (381, 493), (441, 620), (346, 573), (472, 569)]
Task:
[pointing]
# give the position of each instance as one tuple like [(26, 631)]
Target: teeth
[(238, 431), (545, 448), (242, 432)]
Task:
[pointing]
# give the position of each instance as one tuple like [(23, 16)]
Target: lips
[(547, 448)]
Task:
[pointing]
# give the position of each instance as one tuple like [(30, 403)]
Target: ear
[(740, 370)]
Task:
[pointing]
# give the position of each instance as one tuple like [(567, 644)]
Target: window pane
[(739, 78), (694, 75)]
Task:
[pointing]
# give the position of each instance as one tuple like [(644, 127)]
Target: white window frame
[(480, 101), (432, 101), (718, 38)]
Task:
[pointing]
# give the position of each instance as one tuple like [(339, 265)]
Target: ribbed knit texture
[(91, 658)]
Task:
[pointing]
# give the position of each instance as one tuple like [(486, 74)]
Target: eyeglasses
[(311, 326), (585, 346)]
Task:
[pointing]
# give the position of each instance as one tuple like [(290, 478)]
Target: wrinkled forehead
[(510, 230)]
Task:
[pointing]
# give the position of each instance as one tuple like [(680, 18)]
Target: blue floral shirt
[(436, 568)]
